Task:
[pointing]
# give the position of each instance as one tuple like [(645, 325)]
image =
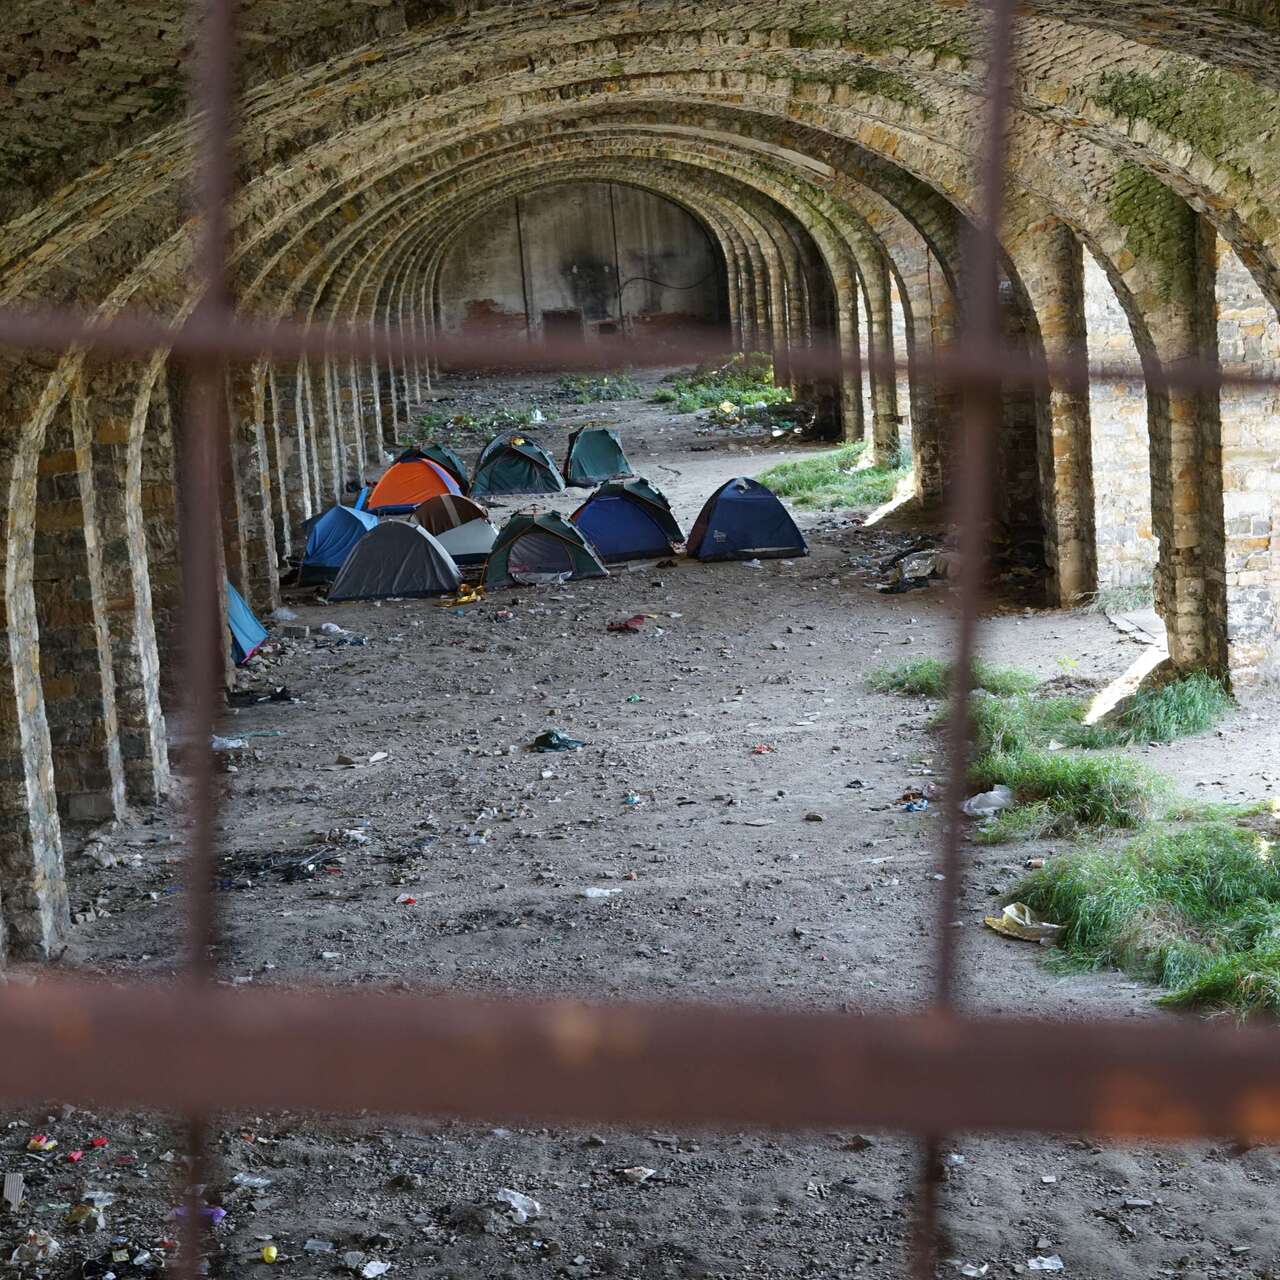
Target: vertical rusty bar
[(971, 512), (206, 424)]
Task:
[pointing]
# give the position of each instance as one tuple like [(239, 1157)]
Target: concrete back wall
[(570, 248)]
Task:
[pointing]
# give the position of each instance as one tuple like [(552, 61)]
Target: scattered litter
[(556, 740), (988, 803), (593, 891), (13, 1190), (762, 749), (915, 806), (39, 1246), (1019, 921), (637, 1174), (332, 629), (632, 800), (371, 1269), (379, 756), (255, 1180), (227, 744), (318, 1246), (632, 625), (269, 1253), (283, 614), (1041, 1263), (1134, 1203), (752, 564), (814, 817), (969, 1268), (41, 1142), (406, 900), (522, 1207)]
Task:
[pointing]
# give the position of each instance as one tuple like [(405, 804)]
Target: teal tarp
[(247, 633)]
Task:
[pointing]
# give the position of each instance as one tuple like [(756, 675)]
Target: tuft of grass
[(1174, 710), (1080, 789), (584, 388), (1127, 599), (833, 479), (931, 677), (746, 379), (1195, 909), (1020, 722)]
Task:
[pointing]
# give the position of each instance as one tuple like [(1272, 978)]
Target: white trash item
[(522, 1207), (989, 803)]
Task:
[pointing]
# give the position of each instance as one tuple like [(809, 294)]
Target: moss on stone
[(919, 30), (1159, 225), (1217, 112), (874, 82)]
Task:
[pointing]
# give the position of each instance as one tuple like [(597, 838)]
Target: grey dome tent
[(595, 455), (540, 548), (396, 559), (515, 464)]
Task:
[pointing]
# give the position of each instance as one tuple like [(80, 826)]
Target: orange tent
[(409, 483)]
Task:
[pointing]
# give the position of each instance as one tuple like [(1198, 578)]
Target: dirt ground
[(790, 876)]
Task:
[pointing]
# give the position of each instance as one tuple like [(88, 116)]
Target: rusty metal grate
[(195, 1047)]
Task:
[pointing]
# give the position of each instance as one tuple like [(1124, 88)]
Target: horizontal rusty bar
[(222, 1049), (213, 333)]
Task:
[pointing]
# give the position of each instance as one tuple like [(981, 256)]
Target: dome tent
[(445, 457), (628, 521), (540, 548), (329, 541), (408, 482), (247, 633), (396, 559), (515, 464), (595, 455), (742, 520), (460, 525)]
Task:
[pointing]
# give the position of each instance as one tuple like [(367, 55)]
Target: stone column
[(250, 471), (119, 398), (74, 635), (1050, 260), (886, 436), (294, 456)]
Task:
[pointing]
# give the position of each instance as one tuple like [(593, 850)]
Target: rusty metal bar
[(244, 1049), (211, 332), (205, 416)]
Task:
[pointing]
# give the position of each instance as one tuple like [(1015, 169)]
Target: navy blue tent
[(330, 539), (628, 522), (247, 633), (743, 520)]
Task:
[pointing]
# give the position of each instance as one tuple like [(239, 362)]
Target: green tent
[(450, 461), (514, 464), (540, 548), (595, 454)]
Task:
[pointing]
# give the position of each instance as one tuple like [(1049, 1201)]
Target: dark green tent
[(595, 455), (540, 548), (450, 461), (514, 464)]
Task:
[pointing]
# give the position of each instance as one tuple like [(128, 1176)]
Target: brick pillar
[(119, 398), (1186, 449), (295, 464), (34, 920), (250, 471), (157, 467), (281, 528), (1051, 263), (75, 640), (367, 425), (852, 421), (886, 435)]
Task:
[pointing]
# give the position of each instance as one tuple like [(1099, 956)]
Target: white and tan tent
[(461, 526)]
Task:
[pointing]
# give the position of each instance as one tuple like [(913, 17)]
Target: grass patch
[(833, 480), (931, 677), (1071, 790), (1194, 909), (437, 424), (746, 379), (583, 388), (1174, 710), (1128, 599)]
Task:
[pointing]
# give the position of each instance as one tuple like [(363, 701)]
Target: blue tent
[(330, 540), (247, 633), (743, 520), (362, 499), (623, 522)]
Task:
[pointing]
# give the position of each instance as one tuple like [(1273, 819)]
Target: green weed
[(1175, 710), (584, 388), (746, 379), (833, 480), (931, 677), (1194, 909)]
